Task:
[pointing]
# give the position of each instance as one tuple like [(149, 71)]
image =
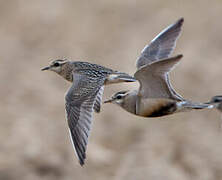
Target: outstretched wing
[(153, 79), (161, 46), (80, 100)]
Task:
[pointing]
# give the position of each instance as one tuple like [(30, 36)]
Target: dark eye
[(56, 64), (119, 97)]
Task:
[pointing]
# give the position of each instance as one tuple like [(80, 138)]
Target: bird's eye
[(119, 97), (56, 64)]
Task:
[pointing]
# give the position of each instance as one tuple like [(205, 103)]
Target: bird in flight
[(156, 96), (84, 96)]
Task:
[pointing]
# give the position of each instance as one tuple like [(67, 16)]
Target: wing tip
[(179, 56), (81, 158), (176, 58), (180, 21), (82, 162)]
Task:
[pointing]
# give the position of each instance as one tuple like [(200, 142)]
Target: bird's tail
[(118, 77), (186, 105)]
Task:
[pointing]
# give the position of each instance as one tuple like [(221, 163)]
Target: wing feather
[(80, 101), (153, 79), (161, 46)]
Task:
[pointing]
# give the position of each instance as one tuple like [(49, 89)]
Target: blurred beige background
[(34, 141)]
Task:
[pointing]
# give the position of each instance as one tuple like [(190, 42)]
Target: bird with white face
[(156, 96)]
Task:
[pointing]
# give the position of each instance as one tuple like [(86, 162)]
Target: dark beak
[(108, 101), (45, 68)]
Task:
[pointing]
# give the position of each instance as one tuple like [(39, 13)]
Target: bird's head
[(117, 98), (56, 65), (216, 99)]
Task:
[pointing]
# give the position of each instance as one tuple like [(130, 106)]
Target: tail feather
[(192, 105), (119, 77), (126, 78)]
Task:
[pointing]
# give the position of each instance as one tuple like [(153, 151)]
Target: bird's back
[(85, 65), (95, 70)]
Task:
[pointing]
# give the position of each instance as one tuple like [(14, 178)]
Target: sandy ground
[(33, 131)]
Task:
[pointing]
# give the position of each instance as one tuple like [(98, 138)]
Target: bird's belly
[(156, 107)]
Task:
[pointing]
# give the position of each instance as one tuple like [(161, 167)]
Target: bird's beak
[(108, 101), (45, 68)]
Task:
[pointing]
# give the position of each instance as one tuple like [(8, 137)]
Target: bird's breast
[(156, 107), (129, 103)]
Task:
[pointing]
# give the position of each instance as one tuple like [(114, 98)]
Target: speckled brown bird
[(84, 96)]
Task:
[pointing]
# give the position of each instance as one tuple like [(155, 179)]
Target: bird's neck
[(67, 72), (129, 103)]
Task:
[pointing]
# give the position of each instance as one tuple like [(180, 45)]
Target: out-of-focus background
[(34, 141)]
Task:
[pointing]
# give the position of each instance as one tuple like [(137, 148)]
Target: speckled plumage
[(84, 96)]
